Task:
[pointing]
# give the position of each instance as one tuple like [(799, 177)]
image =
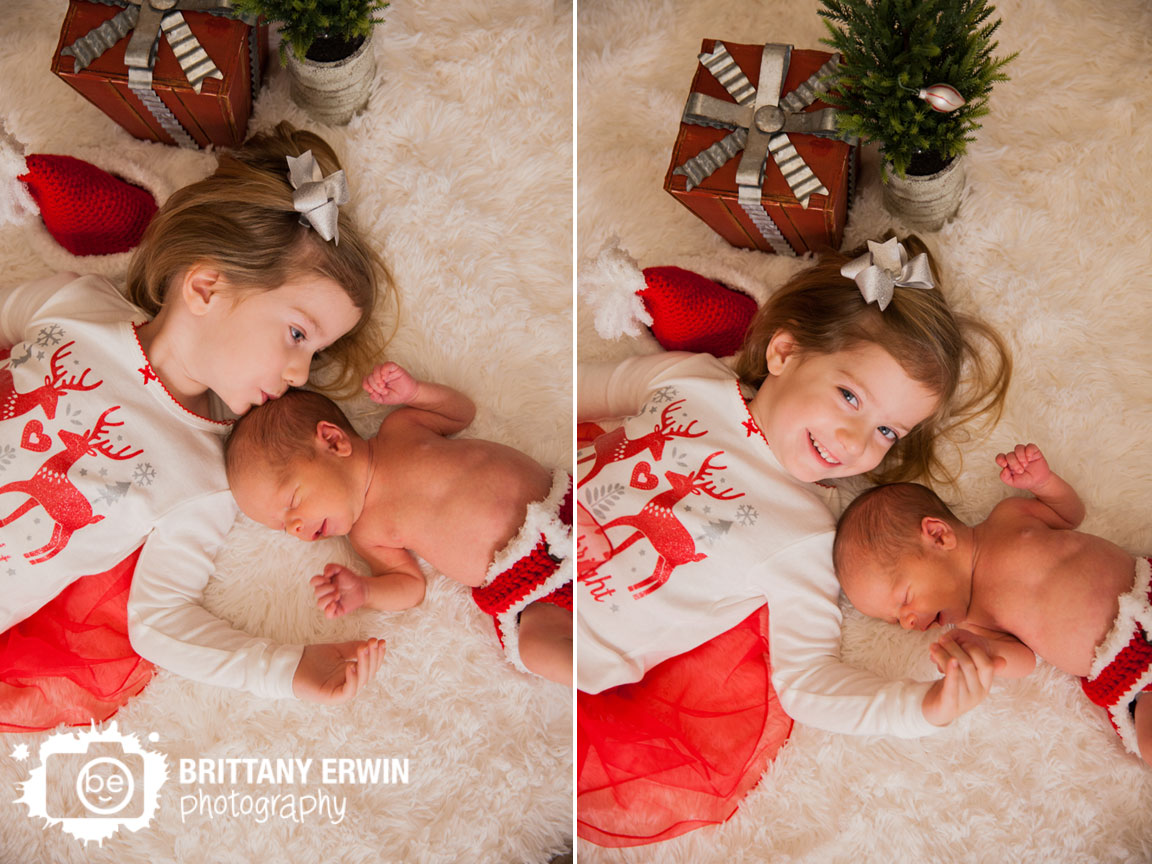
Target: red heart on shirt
[(35, 438), (642, 476)]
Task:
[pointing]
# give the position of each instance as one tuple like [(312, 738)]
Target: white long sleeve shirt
[(692, 495), (96, 458)]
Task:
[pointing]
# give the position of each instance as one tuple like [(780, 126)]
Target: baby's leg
[(1143, 720), (546, 641)]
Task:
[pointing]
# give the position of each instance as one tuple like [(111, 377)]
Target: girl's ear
[(330, 438), (200, 287), (781, 349)]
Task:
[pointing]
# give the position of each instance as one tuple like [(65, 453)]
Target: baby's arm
[(1026, 468), (1011, 657), (435, 406), (396, 583)]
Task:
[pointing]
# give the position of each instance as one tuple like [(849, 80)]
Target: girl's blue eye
[(296, 334), (888, 433), (849, 397)]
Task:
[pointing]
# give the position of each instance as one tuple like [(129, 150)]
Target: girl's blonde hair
[(240, 220), (939, 348)]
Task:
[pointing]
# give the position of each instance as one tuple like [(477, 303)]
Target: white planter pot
[(925, 201), (333, 92)]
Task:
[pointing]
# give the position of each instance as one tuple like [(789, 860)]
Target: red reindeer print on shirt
[(51, 489), (13, 404), (661, 527), (615, 446)]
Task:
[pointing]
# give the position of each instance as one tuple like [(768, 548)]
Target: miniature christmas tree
[(915, 75)]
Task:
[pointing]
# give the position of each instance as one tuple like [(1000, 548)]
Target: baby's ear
[(330, 438), (937, 533)]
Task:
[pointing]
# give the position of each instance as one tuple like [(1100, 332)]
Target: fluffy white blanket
[(1051, 245), (461, 171)]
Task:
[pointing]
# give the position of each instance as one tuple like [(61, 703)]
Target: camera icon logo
[(95, 782)]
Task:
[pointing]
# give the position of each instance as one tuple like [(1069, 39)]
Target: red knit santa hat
[(692, 313), (87, 210)]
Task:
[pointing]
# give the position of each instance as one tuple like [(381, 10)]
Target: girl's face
[(262, 343), (836, 415)]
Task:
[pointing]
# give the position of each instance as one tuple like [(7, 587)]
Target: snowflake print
[(664, 394), (747, 515), (144, 473), (50, 335), (7, 454)]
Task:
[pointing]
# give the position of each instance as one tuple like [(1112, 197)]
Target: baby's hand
[(1024, 467), (390, 384), (339, 590), (968, 673), (334, 672)]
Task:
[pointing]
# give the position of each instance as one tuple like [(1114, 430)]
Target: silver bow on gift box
[(761, 120), (145, 20)]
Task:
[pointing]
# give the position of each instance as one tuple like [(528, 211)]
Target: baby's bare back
[(455, 502), (1056, 590)]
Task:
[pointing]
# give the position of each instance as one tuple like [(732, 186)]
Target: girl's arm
[(168, 624), (20, 303), (814, 685), (611, 390)]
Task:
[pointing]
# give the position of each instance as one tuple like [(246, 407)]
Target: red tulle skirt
[(71, 662), (682, 747)]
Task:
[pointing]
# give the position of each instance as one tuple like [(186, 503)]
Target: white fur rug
[(1052, 246), (461, 171)]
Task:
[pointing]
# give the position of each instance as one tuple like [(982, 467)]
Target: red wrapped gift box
[(793, 228), (218, 114)]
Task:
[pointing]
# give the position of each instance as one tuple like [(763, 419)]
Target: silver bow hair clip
[(884, 266), (317, 197)]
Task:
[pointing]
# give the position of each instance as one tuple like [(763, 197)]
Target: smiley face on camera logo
[(93, 783)]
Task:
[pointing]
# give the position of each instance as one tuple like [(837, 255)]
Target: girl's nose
[(292, 525), (296, 372), (907, 618), (852, 440)]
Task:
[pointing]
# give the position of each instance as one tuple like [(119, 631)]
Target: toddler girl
[(703, 506), (112, 419)]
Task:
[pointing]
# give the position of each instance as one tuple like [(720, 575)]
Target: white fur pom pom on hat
[(611, 285)]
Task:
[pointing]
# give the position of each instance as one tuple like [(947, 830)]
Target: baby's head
[(820, 312), (240, 225), (897, 557), (290, 466)]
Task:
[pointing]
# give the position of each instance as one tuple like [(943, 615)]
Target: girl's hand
[(968, 673), (339, 590), (334, 672), (1024, 467), (390, 384)]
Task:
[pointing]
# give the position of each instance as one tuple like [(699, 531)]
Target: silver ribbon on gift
[(317, 198), (145, 20), (884, 266), (761, 120)]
